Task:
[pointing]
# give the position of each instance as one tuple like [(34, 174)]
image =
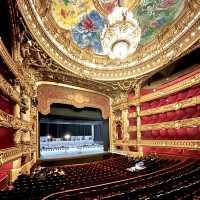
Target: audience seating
[(110, 179)]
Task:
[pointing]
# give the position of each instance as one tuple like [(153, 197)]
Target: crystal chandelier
[(122, 35)]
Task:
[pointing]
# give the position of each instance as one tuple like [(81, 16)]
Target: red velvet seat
[(155, 133), (181, 96), (170, 116), (171, 132), (163, 133), (172, 98), (179, 114)]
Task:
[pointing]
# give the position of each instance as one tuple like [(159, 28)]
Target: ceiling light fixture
[(122, 34)]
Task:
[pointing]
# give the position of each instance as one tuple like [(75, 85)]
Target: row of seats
[(180, 114), (46, 180), (178, 182), (172, 98), (184, 133)]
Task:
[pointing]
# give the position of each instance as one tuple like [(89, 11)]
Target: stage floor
[(69, 153)]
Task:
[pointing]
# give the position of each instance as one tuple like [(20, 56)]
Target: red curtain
[(6, 105), (6, 138)]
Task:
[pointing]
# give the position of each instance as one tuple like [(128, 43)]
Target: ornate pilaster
[(125, 128), (17, 106), (138, 129)]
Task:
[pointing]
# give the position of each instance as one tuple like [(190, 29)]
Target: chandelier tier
[(122, 35)]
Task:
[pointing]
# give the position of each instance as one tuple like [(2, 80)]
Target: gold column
[(111, 130), (137, 94), (17, 106), (125, 128)]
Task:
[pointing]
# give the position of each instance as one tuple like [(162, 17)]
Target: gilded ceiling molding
[(8, 90), (7, 155), (189, 144), (167, 46), (187, 83), (15, 68), (39, 83), (49, 94), (191, 122), (120, 102), (7, 120), (169, 107)]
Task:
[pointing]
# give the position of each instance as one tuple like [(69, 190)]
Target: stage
[(70, 152)]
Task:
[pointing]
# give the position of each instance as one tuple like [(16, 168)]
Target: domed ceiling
[(112, 39), (86, 19)]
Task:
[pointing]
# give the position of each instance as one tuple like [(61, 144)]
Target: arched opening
[(68, 132)]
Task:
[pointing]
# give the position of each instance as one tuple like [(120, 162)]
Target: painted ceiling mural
[(87, 19)]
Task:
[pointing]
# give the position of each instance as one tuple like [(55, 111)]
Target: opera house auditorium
[(100, 100)]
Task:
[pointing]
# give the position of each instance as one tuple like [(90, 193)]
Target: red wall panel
[(6, 105), (6, 138)]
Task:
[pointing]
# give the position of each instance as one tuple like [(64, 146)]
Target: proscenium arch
[(49, 93)]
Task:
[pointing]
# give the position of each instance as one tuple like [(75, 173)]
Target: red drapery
[(6, 138)]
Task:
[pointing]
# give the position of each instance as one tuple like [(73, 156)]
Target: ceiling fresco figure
[(153, 15), (86, 19), (87, 33), (66, 13)]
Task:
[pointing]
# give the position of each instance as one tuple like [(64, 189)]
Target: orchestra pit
[(100, 100)]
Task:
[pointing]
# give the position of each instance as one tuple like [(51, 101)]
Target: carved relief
[(9, 121), (8, 89), (24, 79), (18, 136), (26, 137), (48, 94), (193, 144)]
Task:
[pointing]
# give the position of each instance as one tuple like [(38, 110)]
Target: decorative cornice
[(15, 68), (189, 144), (9, 91), (172, 124), (7, 120), (9, 61), (120, 102), (120, 106), (48, 94), (172, 43), (187, 83), (7, 155), (169, 107), (186, 144)]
